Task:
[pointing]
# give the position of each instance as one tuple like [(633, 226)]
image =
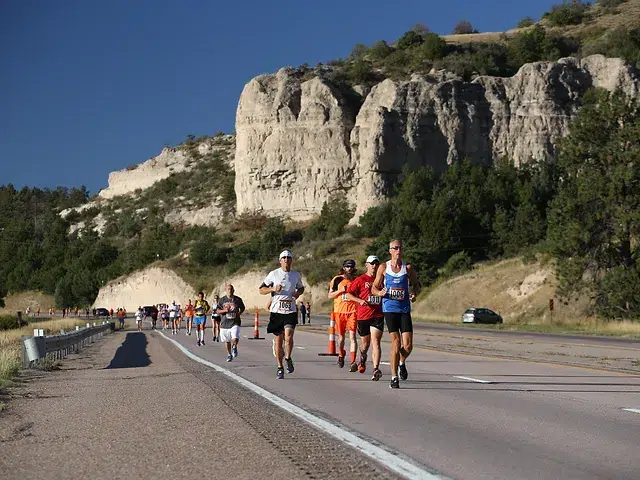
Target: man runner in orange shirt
[(345, 312)]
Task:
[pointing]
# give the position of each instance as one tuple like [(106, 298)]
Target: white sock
[(400, 363), (198, 334)]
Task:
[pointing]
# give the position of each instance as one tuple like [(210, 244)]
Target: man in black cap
[(344, 312)]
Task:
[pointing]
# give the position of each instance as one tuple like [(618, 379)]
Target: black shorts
[(217, 319), (398, 321), (364, 326), (279, 321)]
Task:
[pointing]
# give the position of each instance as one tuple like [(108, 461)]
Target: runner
[(285, 286), (230, 308), (215, 320), (188, 315), (201, 308), (164, 315), (154, 318), (121, 315), (139, 315), (173, 316), (345, 313), (369, 315), (392, 283)]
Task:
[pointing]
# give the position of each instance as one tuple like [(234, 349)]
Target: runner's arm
[(333, 288), (415, 283), (378, 284), (299, 289)]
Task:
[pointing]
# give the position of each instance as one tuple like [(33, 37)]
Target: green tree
[(409, 39), (380, 50), (594, 222), (433, 47)]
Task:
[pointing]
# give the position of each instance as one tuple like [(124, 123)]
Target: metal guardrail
[(56, 347)]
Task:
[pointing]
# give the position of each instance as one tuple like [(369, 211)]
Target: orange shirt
[(340, 303), (188, 310)]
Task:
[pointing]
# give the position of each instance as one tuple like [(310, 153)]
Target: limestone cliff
[(299, 141)]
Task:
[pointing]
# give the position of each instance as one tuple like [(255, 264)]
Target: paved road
[(492, 333), (463, 416)]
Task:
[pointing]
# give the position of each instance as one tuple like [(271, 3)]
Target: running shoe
[(234, 349), (362, 367), (376, 374), (341, 362), (353, 367), (289, 365), (395, 383), (214, 339), (229, 358), (202, 341), (198, 342), (280, 373), (403, 371)]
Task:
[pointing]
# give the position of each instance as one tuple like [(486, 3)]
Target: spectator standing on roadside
[(309, 312), (303, 312)]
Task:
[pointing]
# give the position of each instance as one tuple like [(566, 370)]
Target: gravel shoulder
[(132, 406)]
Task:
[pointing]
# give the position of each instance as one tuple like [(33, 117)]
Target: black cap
[(349, 263)]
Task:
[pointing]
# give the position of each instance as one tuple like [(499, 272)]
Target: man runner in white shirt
[(285, 286)]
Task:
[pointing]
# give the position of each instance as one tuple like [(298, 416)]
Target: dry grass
[(10, 343), (520, 293)]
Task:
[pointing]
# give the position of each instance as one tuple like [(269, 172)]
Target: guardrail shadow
[(132, 353)]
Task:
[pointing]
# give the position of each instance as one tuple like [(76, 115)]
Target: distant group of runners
[(362, 305)]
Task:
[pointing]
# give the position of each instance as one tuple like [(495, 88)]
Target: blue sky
[(88, 87)]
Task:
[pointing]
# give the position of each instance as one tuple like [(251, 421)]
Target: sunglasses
[(397, 247)]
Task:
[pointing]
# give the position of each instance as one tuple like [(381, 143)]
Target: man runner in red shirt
[(369, 315)]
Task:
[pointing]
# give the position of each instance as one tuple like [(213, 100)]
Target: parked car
[(101, 312), (480, 315), (150, 310)]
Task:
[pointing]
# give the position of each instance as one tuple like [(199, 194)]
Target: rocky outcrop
[(292, 144), (150, 286), (300, 141), (170, 160)]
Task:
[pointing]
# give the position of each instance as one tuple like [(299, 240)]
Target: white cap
[(372, 258), (286, 253)]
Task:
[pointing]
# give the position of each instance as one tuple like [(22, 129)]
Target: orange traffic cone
[(256, 327), (331, 346)]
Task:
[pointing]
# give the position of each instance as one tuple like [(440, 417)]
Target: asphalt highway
[(460, 416)]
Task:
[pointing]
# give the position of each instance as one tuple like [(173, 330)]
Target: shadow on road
[(132, 353)]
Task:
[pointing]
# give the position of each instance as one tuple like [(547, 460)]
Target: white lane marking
[(632, 410), (385, 363), (392, 461), (300, 348), (473, 379)]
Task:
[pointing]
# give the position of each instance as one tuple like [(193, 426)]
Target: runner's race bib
[(286, 305), (374, 300), (396, 294)]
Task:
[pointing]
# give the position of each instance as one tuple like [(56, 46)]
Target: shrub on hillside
[(525, 22), (334, 217), (617, 43), (458, 263), (409, 39), (380, 50), (610, 4), (572, 12), (433, 47), (9, 322), (207, 253), (464, 27)]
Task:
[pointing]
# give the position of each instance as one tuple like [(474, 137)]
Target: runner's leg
[(394, 353)]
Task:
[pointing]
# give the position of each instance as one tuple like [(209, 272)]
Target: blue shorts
[(199, 321)]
